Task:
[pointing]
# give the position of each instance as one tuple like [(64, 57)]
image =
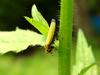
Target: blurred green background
[(37, 64)]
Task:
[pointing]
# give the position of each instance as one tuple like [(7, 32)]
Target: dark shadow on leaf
[(29, 51)]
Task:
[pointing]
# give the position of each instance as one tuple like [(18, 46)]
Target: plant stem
[(65, 37)]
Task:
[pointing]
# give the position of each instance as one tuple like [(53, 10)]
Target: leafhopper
[(50, 36)]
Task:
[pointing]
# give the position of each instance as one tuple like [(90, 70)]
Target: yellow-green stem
[(65, 37)]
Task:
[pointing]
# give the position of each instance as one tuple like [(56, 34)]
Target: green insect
[(50, 36)]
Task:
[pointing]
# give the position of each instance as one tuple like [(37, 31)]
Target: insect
[(49, 39)]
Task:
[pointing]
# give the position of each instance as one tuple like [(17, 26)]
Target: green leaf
[(19, 40), (84, 57), (56, 44), (83, 71), (38, 21), (38, 25), (38, 17)]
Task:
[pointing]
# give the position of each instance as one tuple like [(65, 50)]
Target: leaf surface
[(18, 40), (84, 57), (38, 25), (38, 21)]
